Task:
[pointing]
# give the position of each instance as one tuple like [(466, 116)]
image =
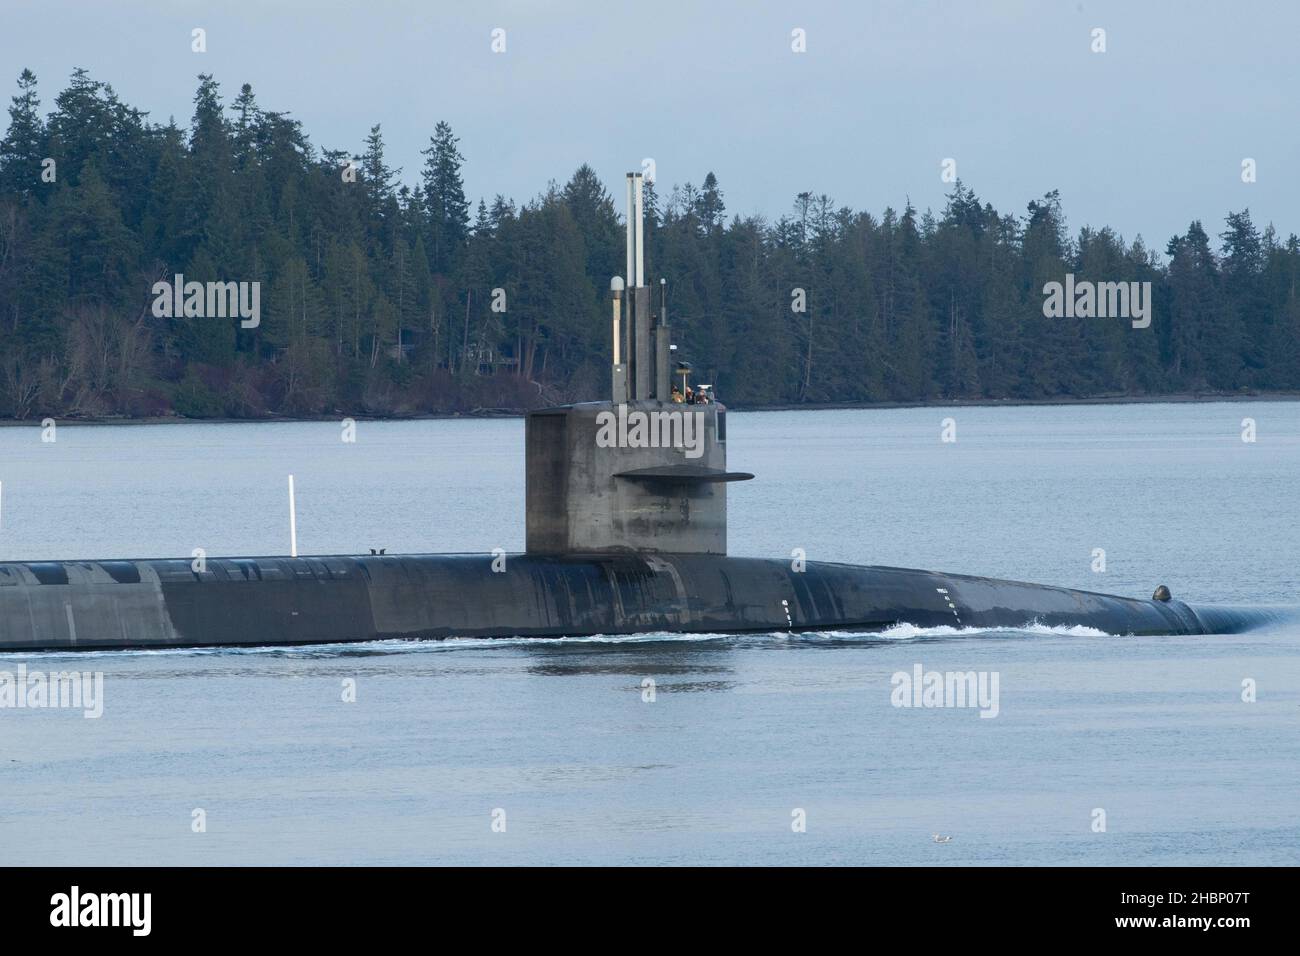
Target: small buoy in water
[(1162, 594), (942, 839)]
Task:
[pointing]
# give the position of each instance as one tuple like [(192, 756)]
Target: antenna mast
[(641, 339)]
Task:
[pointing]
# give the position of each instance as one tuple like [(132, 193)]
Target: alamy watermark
[(129, 910), (36, 690), (935, 689), (208, 300), (1100, 300), (656, 429)]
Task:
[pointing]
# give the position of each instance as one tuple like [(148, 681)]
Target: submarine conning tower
[(639, 472)]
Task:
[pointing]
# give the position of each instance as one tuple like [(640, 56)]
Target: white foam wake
[(904, 632), (898, 632)]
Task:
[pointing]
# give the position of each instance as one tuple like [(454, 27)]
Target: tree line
[(379, 298)]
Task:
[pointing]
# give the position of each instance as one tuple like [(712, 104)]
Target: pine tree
[(21, 148), (710, 207), (245, 128), (1196, 314), (444, 195), (381, 200), (1242, 265)]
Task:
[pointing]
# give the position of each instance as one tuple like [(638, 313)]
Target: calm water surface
[(743, 731)]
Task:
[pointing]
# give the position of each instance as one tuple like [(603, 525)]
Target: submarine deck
[(61, 605)]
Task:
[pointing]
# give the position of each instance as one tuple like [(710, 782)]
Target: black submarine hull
[(95, 605)]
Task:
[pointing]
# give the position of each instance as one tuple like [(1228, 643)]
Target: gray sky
[(1144, 137)]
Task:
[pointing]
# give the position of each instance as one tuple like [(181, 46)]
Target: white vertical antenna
[(616, 292), (640, 252), (293, 523), (631, 242)]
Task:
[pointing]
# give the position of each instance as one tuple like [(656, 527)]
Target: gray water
[(742, 732)]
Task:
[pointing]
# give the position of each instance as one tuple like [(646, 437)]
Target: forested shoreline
[(379, 298)]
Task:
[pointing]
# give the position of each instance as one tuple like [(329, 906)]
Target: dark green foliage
[(379, 298)]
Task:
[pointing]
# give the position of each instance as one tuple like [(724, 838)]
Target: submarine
[(626, 520)]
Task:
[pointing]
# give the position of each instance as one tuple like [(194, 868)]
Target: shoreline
[(1176, 398)]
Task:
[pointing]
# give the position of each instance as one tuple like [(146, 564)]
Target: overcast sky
[(1143, 137)]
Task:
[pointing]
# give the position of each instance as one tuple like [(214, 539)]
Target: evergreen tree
[(381, 200), (444, 195), (21, 148)]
